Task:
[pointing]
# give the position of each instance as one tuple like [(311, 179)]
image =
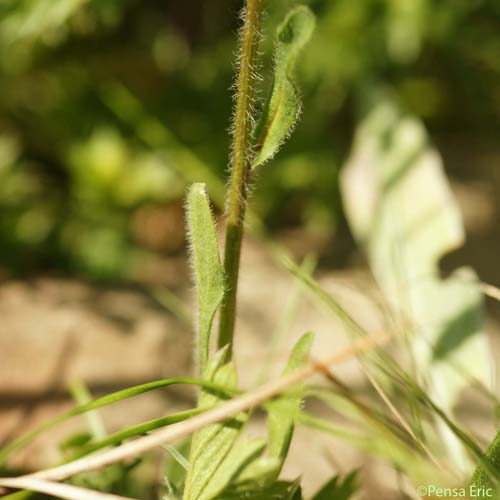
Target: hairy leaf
[(211, 445), (400, 207), (209, 276), (279, 490), (283, 411), (243, 453), (264, 471), (283, 107)]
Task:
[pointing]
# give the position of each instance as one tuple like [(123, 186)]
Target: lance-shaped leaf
[(400, 207), (243, 453), (338, 488), (208, 273), (279, 490), (283, 107), (283, 411), (211, 445)]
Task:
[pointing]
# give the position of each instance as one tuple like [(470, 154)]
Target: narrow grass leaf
[(133, 431), (316, 290), (463, 437), (104, 401), (177, 456), (377, 442), (286, 320), (82, 396), (283, 411), (283, 107), (175, 470), (208, 273)]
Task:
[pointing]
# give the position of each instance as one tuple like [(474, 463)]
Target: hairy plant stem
[(240, 164)]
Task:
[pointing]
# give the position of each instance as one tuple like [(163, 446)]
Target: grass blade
[(401, 208), (135, 430), (104, 401), (219, 413)]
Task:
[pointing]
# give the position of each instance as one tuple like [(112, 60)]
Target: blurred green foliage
[(109, 109)]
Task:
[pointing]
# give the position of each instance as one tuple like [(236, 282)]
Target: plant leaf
[(100, 402), (209, 276), (375, 441), (279, 490), (135, 430), (82, 395), (212, 444), (338, 489), (264, 471), (283, 107), (175, 470), (283, 411), (400, 207), (481, 477), (243, 453), (332, 304)]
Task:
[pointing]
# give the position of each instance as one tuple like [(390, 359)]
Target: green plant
[(414, 418), (222, 463), (254, 145)]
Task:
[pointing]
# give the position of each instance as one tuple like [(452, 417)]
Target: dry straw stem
[(220, 413), (57, 490), (490, 291), (402, 420), (368, 412)]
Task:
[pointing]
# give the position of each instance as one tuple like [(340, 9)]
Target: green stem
[(240, 164)]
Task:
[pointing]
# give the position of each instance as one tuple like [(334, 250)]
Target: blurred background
[(109, 109)]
